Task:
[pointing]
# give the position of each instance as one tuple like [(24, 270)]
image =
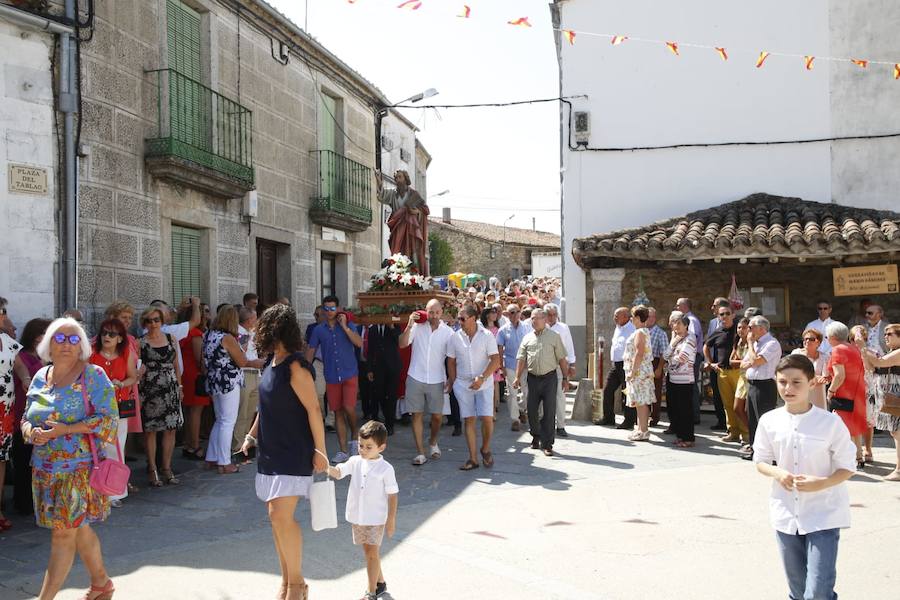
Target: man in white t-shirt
[(823, 308), (473, 358)]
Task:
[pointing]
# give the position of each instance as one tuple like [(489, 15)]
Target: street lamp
[(381, 111), (504, 227), (444, 193)]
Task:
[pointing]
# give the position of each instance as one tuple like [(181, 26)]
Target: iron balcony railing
[(345, 186), (202, 126)]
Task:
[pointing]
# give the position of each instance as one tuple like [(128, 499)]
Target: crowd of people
[(278, 390), (855, 373)]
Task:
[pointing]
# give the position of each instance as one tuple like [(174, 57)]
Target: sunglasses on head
[(61, 338), (109, 333)]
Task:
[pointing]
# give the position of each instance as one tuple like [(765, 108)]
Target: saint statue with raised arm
[(408, 222)]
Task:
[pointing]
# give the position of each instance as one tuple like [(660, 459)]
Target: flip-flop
[(469, 466), (488, 459)]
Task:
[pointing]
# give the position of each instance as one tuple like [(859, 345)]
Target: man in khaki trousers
[(250, 390)]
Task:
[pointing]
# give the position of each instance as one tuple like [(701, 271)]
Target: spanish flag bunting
[(762, 59), (809, 62), (673, 48), (618, 39), (722, 53), (897, 71), (570, 36), (411, 5), (466, 13), (520, 22), (864, 64)]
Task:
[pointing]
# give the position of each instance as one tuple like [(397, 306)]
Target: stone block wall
[(29, 254), (473, 255)]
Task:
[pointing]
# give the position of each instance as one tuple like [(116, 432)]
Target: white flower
[(406, 278)]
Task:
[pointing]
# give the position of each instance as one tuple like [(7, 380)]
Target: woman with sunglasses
[(812, 349), (887, 390), (68, 402), (160, 395), (111, 353), (124, 312)]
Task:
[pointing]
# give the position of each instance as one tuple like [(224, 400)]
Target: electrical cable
[(490, 104)]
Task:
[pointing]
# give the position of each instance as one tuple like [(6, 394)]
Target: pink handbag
[(108, 477)]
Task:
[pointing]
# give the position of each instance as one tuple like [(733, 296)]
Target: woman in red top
[(112, 354), (191, 353), (848, 381)]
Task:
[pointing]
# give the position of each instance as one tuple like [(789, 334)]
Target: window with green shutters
[(190, 105), (185, 263)]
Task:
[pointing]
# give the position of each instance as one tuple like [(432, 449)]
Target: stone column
[(607, 298)]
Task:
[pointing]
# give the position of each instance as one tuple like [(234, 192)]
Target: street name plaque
[(24, 179)]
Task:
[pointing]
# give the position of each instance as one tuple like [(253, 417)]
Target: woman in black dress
[(290, 435)]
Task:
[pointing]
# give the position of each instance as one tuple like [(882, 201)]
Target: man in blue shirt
[(338, 342), (509, 338)]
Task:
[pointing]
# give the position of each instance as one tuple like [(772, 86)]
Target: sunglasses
[(724, 314), (870, 313), (462, 319), (108, 333), (889, 333), (810, 339), (60, 338), (153, 320), (329, 308), (823, 308)]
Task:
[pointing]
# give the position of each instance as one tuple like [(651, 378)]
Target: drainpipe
[(68, 106), (26, 19)]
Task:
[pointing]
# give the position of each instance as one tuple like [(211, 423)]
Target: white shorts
[(474, 403)]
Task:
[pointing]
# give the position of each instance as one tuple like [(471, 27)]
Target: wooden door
[(266, 272)]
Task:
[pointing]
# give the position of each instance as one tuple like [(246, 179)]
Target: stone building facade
[(222, 151), (491, 250)]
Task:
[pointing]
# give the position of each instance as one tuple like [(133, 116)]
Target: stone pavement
[(605, 519)]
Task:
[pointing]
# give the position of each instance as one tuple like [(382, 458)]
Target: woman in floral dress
[(640, 390), (160, 395), (9, 348), (887, 383), (68, 402)]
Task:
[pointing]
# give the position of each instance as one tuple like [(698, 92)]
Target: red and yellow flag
[(466, 13), (897, 71), (570, 36), (722, 53), (808, 60), (618, 39), (520, 22), (673, 48), (411, 5), (864, 64), (762, 59)]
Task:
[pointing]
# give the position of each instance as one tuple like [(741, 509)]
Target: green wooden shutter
[(185, 263), (328, 112), (191, 113)]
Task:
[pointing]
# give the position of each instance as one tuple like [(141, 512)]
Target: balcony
[(344, 198), (204, 140)]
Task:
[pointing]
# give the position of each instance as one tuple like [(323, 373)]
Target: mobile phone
[(239, 457)]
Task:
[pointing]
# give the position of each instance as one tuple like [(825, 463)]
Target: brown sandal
[(169, 477), (487, 458), (153, 479), (469, 466)]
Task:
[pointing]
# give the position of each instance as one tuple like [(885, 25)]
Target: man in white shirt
[(250, 390), (473, 359), (875, 325), (616, 376), (553, 322), (426, 380), (823, 307), (763, 354), (809, 454)]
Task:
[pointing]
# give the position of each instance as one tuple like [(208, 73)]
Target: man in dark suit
[(383, 365)]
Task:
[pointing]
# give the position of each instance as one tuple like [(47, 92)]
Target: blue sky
[(496, 162)]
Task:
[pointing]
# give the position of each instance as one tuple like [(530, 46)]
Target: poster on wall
[(865, 281)]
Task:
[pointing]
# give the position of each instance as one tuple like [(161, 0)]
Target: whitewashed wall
[(28, 251), (640, 94)]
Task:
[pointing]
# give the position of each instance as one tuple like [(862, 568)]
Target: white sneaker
[(419, 460), (435, 451), (340, 457), (354, 448)]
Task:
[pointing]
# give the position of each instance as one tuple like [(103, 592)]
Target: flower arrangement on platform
[(399, 275)]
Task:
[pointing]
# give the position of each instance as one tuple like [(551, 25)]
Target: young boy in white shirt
[(809, 454), (371, 501)]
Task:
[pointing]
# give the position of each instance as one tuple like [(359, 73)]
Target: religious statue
[(408, 222)]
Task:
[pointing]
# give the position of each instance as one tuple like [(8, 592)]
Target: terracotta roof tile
[(498, 233), (760, 224)]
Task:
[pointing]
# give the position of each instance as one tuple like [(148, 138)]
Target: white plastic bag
[(446, 408), (323, 504)]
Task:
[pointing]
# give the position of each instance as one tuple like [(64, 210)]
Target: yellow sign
[(27, 180), (864, 281)]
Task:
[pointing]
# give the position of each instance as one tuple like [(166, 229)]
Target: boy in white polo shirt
[(371, 501), (813, 456)]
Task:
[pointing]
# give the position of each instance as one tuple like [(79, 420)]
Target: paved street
[(605, 519)]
